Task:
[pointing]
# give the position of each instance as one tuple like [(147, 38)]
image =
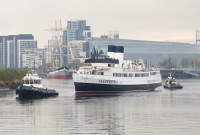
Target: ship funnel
[(111, 51), (119, 54), (116, 52)]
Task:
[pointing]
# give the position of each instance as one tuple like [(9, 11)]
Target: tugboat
[(172, 83), (111, 74), (31, 88)]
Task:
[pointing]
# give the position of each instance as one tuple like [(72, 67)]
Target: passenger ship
[(108, 74)]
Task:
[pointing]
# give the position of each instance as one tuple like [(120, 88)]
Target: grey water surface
[(161, 112)]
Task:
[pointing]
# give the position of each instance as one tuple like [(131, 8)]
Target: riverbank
[(11, 78), (180, 73)]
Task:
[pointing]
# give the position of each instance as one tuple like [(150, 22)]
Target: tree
[(166, 63), (184, 62), (196, 62), (75, 62)]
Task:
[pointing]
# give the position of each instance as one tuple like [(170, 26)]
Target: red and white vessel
[(60, 73)]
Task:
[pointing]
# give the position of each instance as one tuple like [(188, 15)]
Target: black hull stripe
[(90, 87)]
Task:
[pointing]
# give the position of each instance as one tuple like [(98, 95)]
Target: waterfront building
[(77, 30), (11, 49), (33, 56), (22, 46), (77, 50), (154, 52), (48, 56), (1, 52), (11, 53)]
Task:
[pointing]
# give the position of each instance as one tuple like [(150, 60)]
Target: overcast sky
[(160, 20)]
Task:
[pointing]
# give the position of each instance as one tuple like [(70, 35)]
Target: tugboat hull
[(173, 86), (28, 92)]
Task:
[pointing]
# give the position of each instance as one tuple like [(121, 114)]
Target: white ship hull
[(99, 84), (110, 73)]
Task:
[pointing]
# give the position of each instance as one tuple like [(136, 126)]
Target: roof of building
[(142, 46)]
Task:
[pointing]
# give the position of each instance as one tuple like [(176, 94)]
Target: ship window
[(145, 74), (152, 73), (100, 73), (37, 82), (31, 81), (125, 74), (138, 75), (130, 75), (26, 81)]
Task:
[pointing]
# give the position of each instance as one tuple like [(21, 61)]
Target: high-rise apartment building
[(22, 46), (77, 50), (11, 53), (33, 58), (1, 52), (11, 49), (76, 30)]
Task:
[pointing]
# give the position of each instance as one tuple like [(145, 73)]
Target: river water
[(161, 112)]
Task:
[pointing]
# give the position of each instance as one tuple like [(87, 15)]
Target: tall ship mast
[(55, 48)]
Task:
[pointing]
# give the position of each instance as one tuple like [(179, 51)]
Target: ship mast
[(197, 37), (55, 45)]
